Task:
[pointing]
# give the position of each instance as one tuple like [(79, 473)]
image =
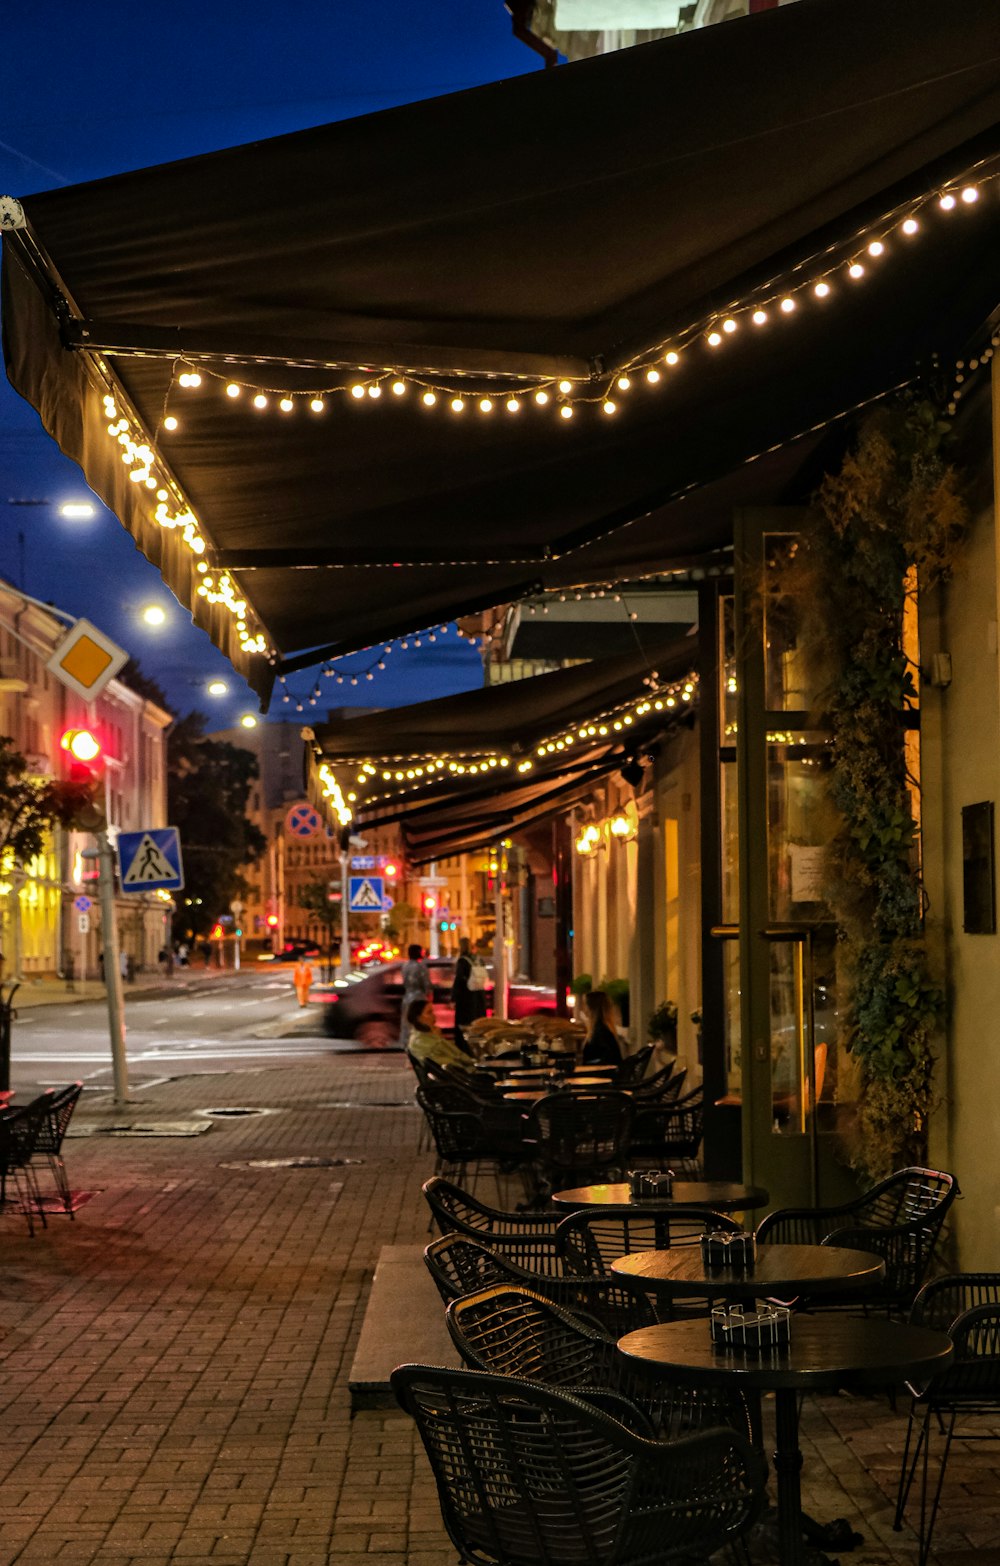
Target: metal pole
[(499, 950), (434, 931), (345, 913), (112, 963)]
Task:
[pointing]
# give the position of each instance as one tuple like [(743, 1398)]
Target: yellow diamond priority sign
[(86, 660)]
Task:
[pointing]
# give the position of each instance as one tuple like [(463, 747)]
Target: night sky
[(93, 90)]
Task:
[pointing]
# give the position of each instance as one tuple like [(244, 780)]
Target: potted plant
[(617, 992), (662, 1026), (582, 983)]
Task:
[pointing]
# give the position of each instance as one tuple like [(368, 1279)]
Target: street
[(210, 1023)]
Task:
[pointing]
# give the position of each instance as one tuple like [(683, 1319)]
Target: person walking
[(468, 1001), (416, 986), (302, 978)]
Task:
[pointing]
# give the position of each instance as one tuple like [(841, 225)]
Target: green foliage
[(891, 515), (208, 786), (663, 1022), (30, 807), (582, 983)]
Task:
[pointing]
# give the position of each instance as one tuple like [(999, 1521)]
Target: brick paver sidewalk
[(174, 1362)]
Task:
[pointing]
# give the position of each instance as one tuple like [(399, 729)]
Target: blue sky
[(92, 90)]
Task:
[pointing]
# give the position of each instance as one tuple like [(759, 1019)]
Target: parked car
[(368, 1007)]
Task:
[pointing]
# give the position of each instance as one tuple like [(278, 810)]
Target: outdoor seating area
[(31, 1137)]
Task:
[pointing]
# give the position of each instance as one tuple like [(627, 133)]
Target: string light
[(811, 279)]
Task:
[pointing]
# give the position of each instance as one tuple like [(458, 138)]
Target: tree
[(208, 786), (30, 807)]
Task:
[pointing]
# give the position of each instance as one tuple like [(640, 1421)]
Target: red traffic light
[(430, 902), (81, 744), (272, 920), (390, 871)]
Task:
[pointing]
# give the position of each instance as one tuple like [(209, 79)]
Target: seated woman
[(601, 1047), (427, 1043)]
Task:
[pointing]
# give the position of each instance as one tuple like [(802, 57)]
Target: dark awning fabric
[(513, 721), (552, 225)]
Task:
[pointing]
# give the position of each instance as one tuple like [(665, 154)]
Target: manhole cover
[(237, 1113), (292, 1163)]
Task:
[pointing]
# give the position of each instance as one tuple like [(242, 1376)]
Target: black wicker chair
[(461, 1265), (670, 1133), (664, 1084), (518, 1332), (58, 1112), (967, 1307), (591, 1238), (527, 1238), (19, 1133), (633, 1067), (531, 1476), (457, 1134), (899, 1219), (580, 1137)]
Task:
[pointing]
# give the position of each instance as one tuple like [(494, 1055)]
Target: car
[(292, 953), (368, 1006)]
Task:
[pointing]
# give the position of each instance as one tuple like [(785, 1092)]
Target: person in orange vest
[(302, 978)]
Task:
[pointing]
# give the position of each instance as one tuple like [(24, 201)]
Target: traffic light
[(430, 902), (390, 870), (81, 805), (272, 921), (83, 749)]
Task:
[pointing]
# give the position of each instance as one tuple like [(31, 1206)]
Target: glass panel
[(787, 1039), (731, 994), (730, 843), (790, 685), (727, 670), (800, 823)]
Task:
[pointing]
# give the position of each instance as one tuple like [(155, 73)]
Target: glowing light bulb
[(318, 405), (374, 391), (565, 412), (357, 390), (286, 405), (910, 226), (541, 397), (428, 399), (759, 317), (260, 401), (485, 405), (232, 390), (456, 405), (855, 270), (170, 423), (154, 615), (623, 383), (787, 306), (512, 405), (218, 688), (729, 325), (248, 721), (610, 407), (876, 248), (194, 379), (184, 380), (398, 388), (565, 387), (714, 339), (970, 194), (947, 201), (672, 357), (821, 290), (652, 376)]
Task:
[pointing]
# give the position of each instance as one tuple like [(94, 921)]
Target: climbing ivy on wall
[(891, 518)]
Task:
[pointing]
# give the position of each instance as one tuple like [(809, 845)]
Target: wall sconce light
[(621, 828), (589, 839)]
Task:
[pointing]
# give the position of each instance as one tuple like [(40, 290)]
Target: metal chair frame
[(580, 1136), (461, 1265), (591, 1238), (59, 1109), (527, 1238), (967, 1307), (528, 1475), (19, 1133)]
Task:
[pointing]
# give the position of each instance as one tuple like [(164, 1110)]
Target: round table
[(568, 1088), (723, 1196), (826, 1352), (780, 1272)]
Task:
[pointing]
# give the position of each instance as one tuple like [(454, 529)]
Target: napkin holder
[(650, 1184), (758, 1331), (738, 1252)]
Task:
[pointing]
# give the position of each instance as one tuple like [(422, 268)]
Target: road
[(202, 1024)]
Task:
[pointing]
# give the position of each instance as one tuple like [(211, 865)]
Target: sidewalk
[(56, 992), (175, 1360)]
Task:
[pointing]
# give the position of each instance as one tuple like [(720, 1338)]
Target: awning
[(550, 231), (466, 769)]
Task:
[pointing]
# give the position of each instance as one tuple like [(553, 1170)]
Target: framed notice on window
[(979, 898)]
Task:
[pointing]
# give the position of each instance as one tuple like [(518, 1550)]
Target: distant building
[(577, 29), (40, 931)]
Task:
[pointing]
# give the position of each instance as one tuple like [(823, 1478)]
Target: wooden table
[(723, 1196), (781, 1272), (568, 1088), (826, 1352)]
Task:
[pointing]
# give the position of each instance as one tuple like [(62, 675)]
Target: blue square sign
[(150, 861), (367, 893)]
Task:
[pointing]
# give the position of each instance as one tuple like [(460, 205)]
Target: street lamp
[(218, 688), (248, 721), (77, 510), (153, 614)]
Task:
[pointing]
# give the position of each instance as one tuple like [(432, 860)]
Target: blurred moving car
[(368, 1006), (292, 952)]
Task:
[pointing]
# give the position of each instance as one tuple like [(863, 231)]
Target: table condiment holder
[(650, 1184), (754, 1331), (736, 1251)]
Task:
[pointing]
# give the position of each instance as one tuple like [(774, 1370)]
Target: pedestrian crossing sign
[(150, 861), (367, 893)]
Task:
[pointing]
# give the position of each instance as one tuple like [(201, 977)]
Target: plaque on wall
[(979, 899)]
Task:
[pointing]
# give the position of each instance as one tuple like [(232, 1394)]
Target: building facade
[(41, 933)]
